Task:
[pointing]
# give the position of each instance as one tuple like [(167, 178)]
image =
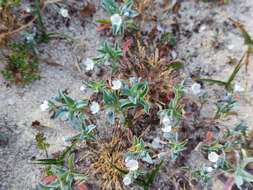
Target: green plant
[(65, 177), (138, 151), (109, 55), (241, 175), (145, 181), (120, 15), (224, 107), (85, 132), (63, 105), (174, 110), (128, 97), (202, 175), (41, 142), (22, 66), (7, 3), (176, 148)]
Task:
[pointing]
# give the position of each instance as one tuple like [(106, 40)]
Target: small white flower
[(238, 87), (116, 19), (167, 123), (89, 64), (132, 165), (213, 157), (166, 120), (82, 88), (94, 107), (156, 143), (116, 84), (44, 106), (64, 12), (167, 129), (209, 169), (196, 88), (127, 180)]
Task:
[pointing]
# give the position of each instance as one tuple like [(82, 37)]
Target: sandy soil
[(201, 26)]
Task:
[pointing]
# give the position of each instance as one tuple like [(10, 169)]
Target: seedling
[(65, 177), (85, 133), (202, 175), (22, 67), (176, 148), (63, 105), (224, 107), (175, 110), (138, 151), (241, 175), (109, 55), (41, 142), (120, 15)]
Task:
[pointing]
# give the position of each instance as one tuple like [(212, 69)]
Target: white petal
[(156, 143), (213, 157), (209, 169), (82, 88), (64, 12), (44, 106), (127, 180), (196, 88), (238, 87), (116, 84), (132, 165), (167, 129), (94, 107), (89, 64), (166, 120), (116, 19)]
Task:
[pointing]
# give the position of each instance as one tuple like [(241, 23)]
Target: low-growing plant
[(224, 107), (22, 65), (138, 151), (64, 106), (121, 15), (65, 177), (41, 142), (109, 55)]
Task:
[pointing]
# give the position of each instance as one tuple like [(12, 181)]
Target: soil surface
[(207, 40)]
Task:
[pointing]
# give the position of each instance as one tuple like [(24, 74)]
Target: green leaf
[(175, 65)]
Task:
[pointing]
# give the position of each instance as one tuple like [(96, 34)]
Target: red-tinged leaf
[(127, 44), (102, 27), (49, 179), (81, 186), (88, 10), (229, 183), (209, 136)]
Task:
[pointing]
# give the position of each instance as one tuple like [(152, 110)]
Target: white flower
[(44, 106), (116, 19), (196, 88), (132, 165), (238, 87), (94, 107), (89, 63), (82, 88), (213, 157), (64, 12), (209, 169), (167, 129), (166, 120), (156, 143), (167, 123), (127, 180), (116, 84)]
